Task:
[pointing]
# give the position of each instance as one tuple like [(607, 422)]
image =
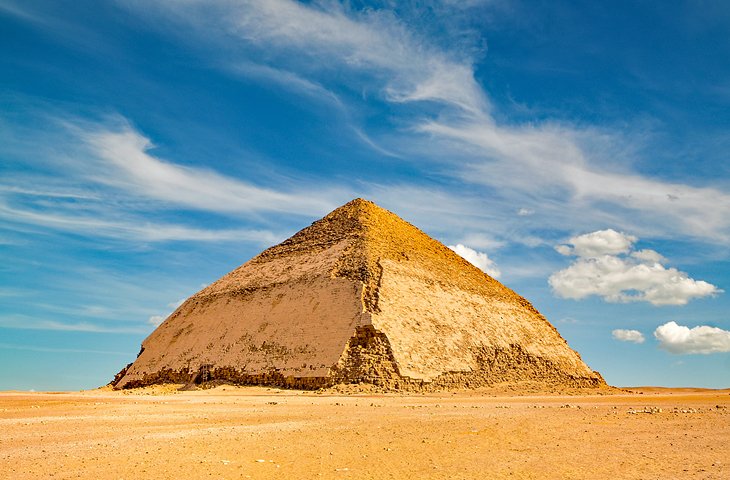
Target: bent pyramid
[(360, 296)]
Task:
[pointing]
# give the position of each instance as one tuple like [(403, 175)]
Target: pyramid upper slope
[(373, 234)]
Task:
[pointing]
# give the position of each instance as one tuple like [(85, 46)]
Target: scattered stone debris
[(685, 410), (649, 410)]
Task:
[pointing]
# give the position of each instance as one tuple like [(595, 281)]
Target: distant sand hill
[(360, 296)]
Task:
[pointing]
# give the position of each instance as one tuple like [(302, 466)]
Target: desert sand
[(256, 432)]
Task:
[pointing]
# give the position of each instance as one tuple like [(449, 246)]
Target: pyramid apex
[(360, 202), (357, 208)]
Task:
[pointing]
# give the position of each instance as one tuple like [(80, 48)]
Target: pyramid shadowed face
[(360, 296)]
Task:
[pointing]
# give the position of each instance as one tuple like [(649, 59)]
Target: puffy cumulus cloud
[(622, 279), (648, 256), (633, 336), (602, 242), (478, 259), (679, 339), (605, 267)]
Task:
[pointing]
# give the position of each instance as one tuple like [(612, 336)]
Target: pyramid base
[(368, 360), (228, 375)]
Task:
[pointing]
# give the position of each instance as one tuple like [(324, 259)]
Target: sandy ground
[(264, 433)]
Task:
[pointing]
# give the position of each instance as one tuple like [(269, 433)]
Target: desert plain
[(257, 432)]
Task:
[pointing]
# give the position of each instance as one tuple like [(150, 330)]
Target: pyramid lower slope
[(359, 296)]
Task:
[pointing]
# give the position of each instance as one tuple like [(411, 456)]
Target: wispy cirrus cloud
[(99, 179), (288, 80), (557, 170), (553, 171), (551, 165), (26, 322), (100, 224), (372, 42), (34, 348), (126, 151), (25, 12)]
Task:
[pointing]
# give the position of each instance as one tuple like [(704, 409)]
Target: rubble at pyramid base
[(368, 361)]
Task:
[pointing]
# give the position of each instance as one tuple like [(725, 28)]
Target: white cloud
[(288, 80), (26, 12), (633, 336), (101, 181), (484, 241), (51, 193), (100, 224), (595, 244), (617, 279), (605, 268), (373, 42), (26, 322), (478, 259), (369, 142), (14, 292), (33, 348), (550, 164), (679, 339), (571, 173), (525, 212), (126, 150), (648, 256)]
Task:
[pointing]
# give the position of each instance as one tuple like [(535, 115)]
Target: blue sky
[(576, 151)]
